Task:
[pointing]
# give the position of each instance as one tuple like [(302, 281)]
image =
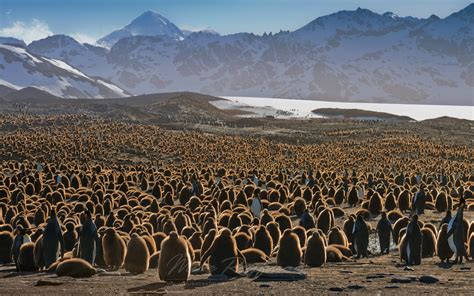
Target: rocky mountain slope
[(346, 56), (19, 69)]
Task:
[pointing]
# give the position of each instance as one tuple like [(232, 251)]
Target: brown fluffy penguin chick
[(158, 237), (6, 243), (325, 220), (224, 255), (208, 240), (153, 262), (263, 240), (138, 256), (114, 249), (253, 255), (69, 237), (337, 236), (334, 255), (346, 251), (26, 259), (76, 268), (243, 240), (38, 253), (174, 263), (442, 246), (348, 227), (289, 252), (315, 255), (441, 202), (428, 246), (196, 240), (375, 204), (401, 223), (274, 231), (404, 201)]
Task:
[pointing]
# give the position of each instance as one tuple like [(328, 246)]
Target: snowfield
[(302, 108)]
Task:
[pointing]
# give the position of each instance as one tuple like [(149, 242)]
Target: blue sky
[(91, 19)]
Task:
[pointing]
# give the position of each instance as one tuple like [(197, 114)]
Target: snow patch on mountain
[(19, 69)]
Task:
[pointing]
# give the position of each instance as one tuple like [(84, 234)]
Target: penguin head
[(255, 221), (20, 230), (287, 232), (110, 231), (225, 232), (88, 215), (173, 235), (70, 226), (316, 234)]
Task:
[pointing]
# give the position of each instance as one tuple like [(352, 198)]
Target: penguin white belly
[(256, 208), (451, 244), (26, 239), (408, 251), (94, 252), (58, 252), (450, 225)]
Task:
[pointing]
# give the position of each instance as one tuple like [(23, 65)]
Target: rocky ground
[(377, 274)]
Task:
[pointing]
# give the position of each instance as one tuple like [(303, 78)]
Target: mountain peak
[(150, 13), (53, 42), (361, 11), (149, 23), (390, 14), (359, 20), (12, 41), (61, 38), (351, 14), (148, 18)]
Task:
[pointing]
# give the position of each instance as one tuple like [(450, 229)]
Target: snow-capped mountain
[(89, 58), (149, 23), (346, 56), (20, 68), (12, 41)]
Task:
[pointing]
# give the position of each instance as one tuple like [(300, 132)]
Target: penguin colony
[(80, 193)]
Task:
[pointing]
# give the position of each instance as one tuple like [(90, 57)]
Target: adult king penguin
[(456, 233)]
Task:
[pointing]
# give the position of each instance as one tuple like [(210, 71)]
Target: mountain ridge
[(354, 55), (20, 69)]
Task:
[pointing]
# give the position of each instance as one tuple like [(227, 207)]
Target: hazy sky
[(88, 20)]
